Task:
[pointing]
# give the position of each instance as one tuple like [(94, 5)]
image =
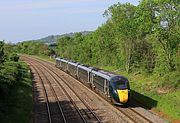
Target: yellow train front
[(119, 90)]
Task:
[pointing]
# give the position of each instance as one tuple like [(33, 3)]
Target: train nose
[(123, 95)]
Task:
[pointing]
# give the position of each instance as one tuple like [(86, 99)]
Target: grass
[(168, 102), (45, 57), (16, 107)]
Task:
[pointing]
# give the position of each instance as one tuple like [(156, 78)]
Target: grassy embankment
[(16, 106), (45, 57)]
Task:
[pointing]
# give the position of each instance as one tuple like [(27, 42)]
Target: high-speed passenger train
[(109, 84)]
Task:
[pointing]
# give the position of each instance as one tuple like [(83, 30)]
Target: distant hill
[(52, 38)]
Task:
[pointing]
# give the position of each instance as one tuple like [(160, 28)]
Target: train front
[(120, 90)]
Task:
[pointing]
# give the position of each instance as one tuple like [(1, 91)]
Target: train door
[(106, 87)]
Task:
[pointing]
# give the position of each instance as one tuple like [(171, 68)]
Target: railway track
[(42, 110), (130, 113), (133, 115), (52, 109), (86, 114)]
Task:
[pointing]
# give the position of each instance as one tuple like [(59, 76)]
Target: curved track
[(51, 109), (57, 112), (61, 81)]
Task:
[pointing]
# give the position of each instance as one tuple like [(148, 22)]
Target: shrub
[(10, 73), (14, 57)]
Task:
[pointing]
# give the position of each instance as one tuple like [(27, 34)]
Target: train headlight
[(115, 91)]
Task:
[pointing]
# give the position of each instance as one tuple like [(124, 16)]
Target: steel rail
[(71, 89), (140, 115), (45, 96), (54, 93), (71, 100)]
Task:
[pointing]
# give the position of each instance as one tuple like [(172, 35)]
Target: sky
[(22, 20)]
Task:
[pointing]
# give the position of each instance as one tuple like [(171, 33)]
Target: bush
[(171, 80), (9, 75), (14, 57)]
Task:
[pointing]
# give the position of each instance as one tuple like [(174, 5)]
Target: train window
[(120, 84), (83, 74), (98, 80)]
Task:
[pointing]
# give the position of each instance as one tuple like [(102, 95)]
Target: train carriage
[(58, 62), (72, 68), (83, 73), (64, 65), (100, 82)]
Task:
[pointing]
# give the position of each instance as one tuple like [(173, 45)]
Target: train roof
[(63, 60), (84, 67), (101, 74), (73, 63), (58, 58), (109, 76), (118, 78)]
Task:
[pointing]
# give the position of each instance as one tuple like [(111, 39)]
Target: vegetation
[(33, 48), (53, 38), (15, 87)]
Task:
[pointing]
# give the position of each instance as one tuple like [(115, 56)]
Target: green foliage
[(142, 39), (1, 52), (16, 104), (9, 76), (171, 80), (14, 57), (9, 70), (15, 87), (33, 48)]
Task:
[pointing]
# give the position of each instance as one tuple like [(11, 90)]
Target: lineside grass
[(16, 107), (45, 58)]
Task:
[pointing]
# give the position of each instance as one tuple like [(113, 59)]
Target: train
[(114, 87)]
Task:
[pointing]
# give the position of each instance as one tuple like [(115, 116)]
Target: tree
[(2, 52), (123, 15), (166, 33)]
